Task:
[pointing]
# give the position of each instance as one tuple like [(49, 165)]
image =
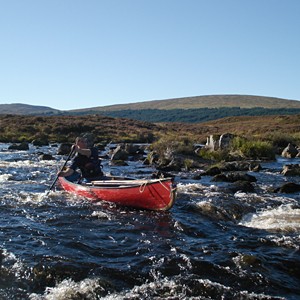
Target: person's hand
[(75, 148)]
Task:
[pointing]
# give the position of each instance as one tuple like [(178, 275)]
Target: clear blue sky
[(70, 54)]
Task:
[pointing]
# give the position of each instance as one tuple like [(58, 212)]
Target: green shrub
[(217, 155), (281, 140), (257, 150)]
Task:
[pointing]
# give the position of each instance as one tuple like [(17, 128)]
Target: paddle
[(72, 150)]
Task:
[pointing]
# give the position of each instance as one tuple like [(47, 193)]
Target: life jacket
[(91, 169), (90, 166)]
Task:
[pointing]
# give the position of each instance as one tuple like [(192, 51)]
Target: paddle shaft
[(72, 150)]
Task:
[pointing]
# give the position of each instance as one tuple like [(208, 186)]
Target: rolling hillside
[(26, 109), (187, 110), (197, 109), (213, 101)]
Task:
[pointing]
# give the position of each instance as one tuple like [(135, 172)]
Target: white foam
[(283, 218), (5, 177), (69, 289)]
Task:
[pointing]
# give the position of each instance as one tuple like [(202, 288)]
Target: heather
[(256, 136)]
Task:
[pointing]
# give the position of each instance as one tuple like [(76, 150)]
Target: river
[(213, 244)]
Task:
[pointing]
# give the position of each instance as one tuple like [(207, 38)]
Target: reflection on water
[(212, 244)]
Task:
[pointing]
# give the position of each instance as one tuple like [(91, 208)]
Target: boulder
[(289, 187), (40, 142), (100, 146), (212, 171), (242, 186), (119, 154), (118, 163), (46, 157), (291, 170), (240, 166), (64, 149), (290, 151), (196, 176), (133, 149), (234, 177), (174, 165), (255, 167), (21, 146), (225, 140), (238, 176), (220, 178)]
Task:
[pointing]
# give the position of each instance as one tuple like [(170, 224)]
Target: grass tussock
[(173, 144)]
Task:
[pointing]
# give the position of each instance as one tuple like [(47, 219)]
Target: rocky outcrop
[(222, 142)]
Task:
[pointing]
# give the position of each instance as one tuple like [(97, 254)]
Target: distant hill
[(212, 101), (26, 109), (197, 115), (187, 110), (197, 109)]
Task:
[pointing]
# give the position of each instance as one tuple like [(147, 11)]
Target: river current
[(213, 244)]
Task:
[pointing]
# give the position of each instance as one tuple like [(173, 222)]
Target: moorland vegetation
[(256, 136)]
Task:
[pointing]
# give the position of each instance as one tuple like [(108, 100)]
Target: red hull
[(153, 194)]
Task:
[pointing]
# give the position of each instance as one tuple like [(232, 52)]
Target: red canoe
[(153, 194)]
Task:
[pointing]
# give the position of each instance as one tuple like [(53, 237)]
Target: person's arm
[(66, 172), (82, 151)]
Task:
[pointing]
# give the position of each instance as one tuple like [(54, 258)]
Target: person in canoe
[(86, 160)]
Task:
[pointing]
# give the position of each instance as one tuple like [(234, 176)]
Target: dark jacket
[(89, 166)]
